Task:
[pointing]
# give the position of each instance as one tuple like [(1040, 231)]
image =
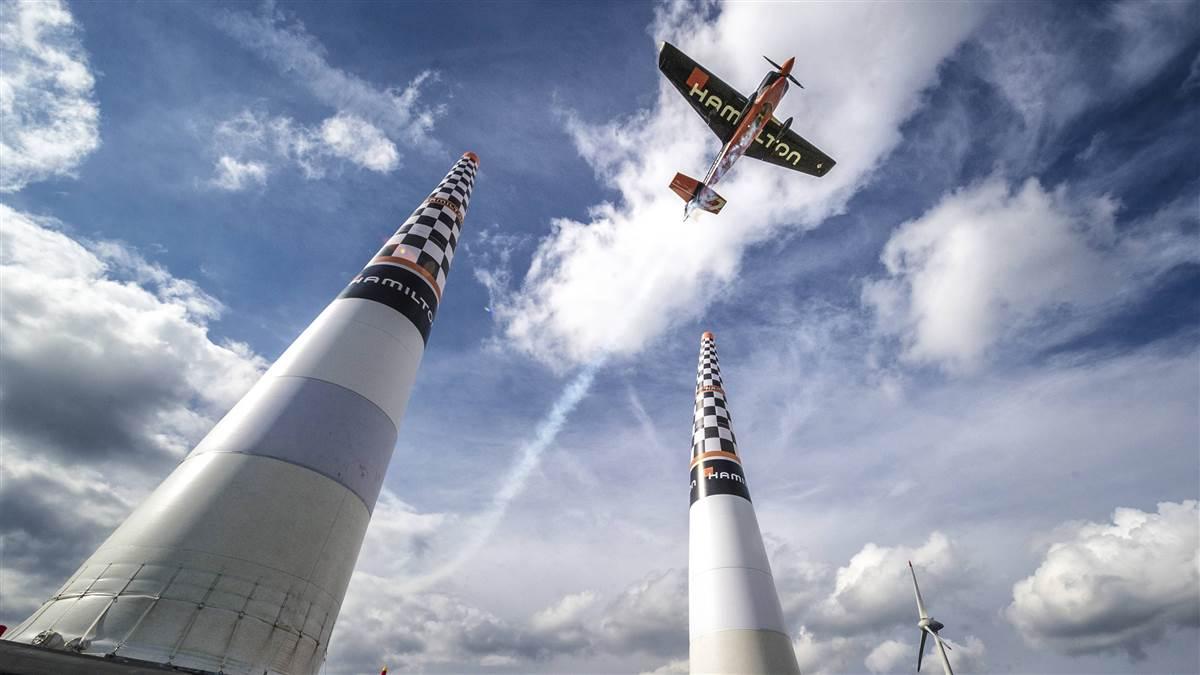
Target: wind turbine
[(929, 626)]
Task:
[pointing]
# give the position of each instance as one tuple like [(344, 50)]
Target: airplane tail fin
[(689, 188)]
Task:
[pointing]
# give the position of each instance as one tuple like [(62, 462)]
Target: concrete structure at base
[(239, 560), (734, 618)]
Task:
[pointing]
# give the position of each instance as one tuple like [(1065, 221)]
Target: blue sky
[(973, 344)]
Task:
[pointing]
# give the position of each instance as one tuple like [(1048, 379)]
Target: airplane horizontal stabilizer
[(690, 189), (685, 186)]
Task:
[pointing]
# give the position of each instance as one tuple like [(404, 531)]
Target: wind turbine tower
[(929, 626), (238, 562), (735, 621)]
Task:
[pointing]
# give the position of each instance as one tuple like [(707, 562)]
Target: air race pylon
[(735, 621), (239, 560)]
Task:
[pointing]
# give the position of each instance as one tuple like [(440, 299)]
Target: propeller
[(788, 72)]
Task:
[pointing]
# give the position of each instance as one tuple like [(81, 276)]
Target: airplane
[(744, 125)]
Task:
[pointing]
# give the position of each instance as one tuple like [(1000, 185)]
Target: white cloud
[(893, 656), (384, 621), (565, 613), (49, 120), (674, 667), (650, 615), (865, 67), (97, 325), (234, 175), (969, 656), (1115, 586), (822, 656), (886, 658), (988, 263), (398, 112), (110, 376), (490, 250), (251, 144), (53, 518), (874, 589), (354, 139)]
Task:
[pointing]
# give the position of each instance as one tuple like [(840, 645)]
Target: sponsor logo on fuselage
[(730, 114), (401, 289), (718, 477)]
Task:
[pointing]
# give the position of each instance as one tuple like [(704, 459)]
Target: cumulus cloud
[(991, 261), (675, 667), (822, 656), (398, 112), (381, 623), (874, 589), (414, 632), (109, 370), (53, 518), (838, 615), (651, 615), (865, 67), (1117, 586), (49, 120), (893, 656), (104, 352), (251, 144), (886, 658), (384, 621)]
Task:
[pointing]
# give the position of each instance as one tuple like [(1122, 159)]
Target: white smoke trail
[(530, 454), (513, 485)]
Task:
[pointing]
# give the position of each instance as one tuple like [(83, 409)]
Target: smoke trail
[(514, 482)]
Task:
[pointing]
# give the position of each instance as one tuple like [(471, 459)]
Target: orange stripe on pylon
[(714, 454), (405, 262)]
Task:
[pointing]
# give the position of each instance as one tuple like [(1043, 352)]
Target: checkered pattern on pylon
[(712, 427), (430, 235)]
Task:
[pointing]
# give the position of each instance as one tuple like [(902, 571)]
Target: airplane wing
[(718, 103), (791, 151)]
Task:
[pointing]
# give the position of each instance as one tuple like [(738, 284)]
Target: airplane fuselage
[(750, 125)]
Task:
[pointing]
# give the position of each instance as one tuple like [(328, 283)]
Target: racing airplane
[(744, 125)]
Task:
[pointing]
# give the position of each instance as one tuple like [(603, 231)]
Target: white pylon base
[(287, 538), (743, 652)]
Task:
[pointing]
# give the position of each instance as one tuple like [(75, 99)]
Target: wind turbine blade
[(921, 650), (942, 650), (920, 603)]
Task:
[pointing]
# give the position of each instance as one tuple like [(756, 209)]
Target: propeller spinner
[(786, 69)]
